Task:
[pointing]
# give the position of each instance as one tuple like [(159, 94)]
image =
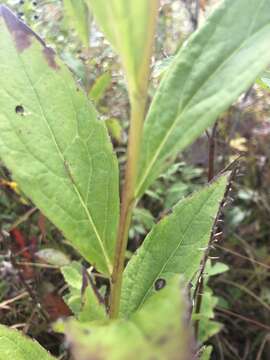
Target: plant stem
[(138, 91), (128, 199), (211, 173)]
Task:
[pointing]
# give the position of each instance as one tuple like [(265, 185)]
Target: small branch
[(87, 279), (31, 293), (211, 152), (211, 172), (198, 292)]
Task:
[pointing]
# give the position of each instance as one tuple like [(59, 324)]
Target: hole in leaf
[(159, 284), (19, 109)]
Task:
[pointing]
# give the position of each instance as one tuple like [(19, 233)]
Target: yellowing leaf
[(239, 144)]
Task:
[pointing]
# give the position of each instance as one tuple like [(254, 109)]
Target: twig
[(3, 304), (260, 352), (243, 257), (22, 218), (28, 288), (239, 316), (247, 291), (87, 277), (200, 283)]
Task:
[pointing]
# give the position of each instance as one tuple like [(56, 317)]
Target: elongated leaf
[(218, 63), (158, 331), (174, 246), (77, 12), (15, 346), (129, 26), (51, 140), (100, 86)]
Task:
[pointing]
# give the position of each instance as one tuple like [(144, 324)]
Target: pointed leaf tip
[(22, 35)]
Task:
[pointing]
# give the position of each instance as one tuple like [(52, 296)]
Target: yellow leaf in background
[(14, 186), (239, 144), (10, 184)]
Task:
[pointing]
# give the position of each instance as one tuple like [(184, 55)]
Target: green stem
[(138, 90), (128, 199)]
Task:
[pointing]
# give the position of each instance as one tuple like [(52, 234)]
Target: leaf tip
[(23, 35)]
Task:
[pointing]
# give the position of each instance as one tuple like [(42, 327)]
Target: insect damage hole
[(159, 284), (19, 109)]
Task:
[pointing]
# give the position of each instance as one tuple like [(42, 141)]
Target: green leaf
[(53, 257), (77, 12), (73, 275), (207, 326), (115, 129), (14, 345), (85, 307), (100, 86), (206, 354), (264, 80), (58, 151), (218, 62), (174, 246), (129, 26), (158, 331)]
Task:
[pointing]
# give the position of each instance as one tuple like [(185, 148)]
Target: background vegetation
[(28, 239)]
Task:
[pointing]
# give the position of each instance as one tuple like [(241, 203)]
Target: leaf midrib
[(171, 128), (74, 186), (174, 251)]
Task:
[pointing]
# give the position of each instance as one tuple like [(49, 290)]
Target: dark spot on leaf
[(21, 33), (21, 2), (34, 3), (36, 17), (50, 57), (159, 284), (86, 331), (19, 109)]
